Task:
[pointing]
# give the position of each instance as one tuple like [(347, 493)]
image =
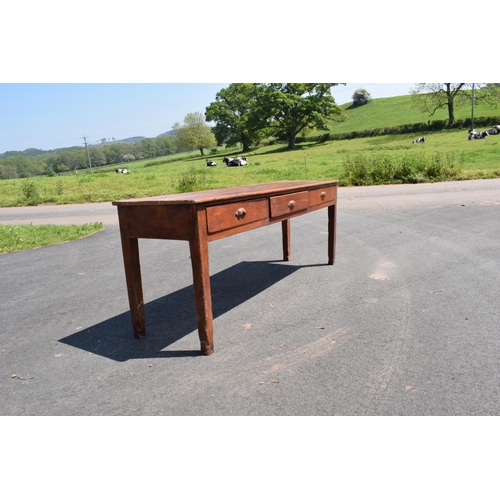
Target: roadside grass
[(14, 238), (310, 160)]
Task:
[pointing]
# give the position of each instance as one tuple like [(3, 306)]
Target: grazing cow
[(240, 161), (494, 131), (122, 171), (420, 139), (474, 134), (211, 163)]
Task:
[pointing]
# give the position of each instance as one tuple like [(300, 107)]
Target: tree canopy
[(429, 97), (233, 113), (194, 133), (245, 112), (286, 109), (360, 97)]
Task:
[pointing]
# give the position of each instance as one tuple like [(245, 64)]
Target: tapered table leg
[(332, 230), (130, 248), (198, 245), (285, 229)]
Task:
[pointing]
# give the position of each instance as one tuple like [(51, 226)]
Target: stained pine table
[(204, 216)]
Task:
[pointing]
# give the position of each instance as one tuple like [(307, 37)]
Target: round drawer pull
[(240, 213), (322, 195), (291, 205)]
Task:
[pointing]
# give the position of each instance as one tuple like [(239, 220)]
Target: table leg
[(130, 248), (332, 230), (201, 281), (285, 229)]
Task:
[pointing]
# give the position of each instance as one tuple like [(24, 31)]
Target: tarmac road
[(405, 323), (60, 214)]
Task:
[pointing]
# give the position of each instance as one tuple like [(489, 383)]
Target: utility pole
[(88, 154), (472, 117)]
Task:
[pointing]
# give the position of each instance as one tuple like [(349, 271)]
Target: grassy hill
[(394, 111), (446, 154)]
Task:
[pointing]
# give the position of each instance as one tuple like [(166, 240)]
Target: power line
[(112, 134), (88, 154), (109, 134)]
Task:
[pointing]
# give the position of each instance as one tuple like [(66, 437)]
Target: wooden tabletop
[(230, 193)]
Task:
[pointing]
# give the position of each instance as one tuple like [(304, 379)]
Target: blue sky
[(57, 115), (58, 101)]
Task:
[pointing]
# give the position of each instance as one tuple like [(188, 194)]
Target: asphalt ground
[(405, 323)]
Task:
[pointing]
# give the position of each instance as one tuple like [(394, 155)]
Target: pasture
[(310, 160)]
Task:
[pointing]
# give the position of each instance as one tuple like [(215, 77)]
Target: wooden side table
[(204, 216)]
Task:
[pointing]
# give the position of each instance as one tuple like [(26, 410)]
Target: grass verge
[(25, 237)]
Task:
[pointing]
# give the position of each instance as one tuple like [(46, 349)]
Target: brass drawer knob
[(240, 213), (322, 195), (291, 205)]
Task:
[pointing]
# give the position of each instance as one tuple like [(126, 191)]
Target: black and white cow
[(420, 139), (474, 134), (240, 161), (122, 171), (211, 163), (493, 131)]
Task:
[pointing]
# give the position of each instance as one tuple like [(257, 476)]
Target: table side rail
[(173, 222)]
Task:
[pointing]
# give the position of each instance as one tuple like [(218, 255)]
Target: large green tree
[(97, 157), (233, 113), (288, 108), (164, 145), (194, 133), (149, 148), (74, 160), (429, 97), (114, 153), (23, 165), (8, 172)]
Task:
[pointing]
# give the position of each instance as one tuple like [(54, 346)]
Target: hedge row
[(410, 128), (365, 170)]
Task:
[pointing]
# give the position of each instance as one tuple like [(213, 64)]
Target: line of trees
[(118, 152)]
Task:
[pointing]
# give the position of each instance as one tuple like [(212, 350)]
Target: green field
[(272, 162)]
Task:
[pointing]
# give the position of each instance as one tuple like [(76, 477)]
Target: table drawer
[(287, 204), (221, 217), (322, 195)]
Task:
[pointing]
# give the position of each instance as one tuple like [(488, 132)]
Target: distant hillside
[(131, 140), (395, 111), (37, 152), (170, 133)]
